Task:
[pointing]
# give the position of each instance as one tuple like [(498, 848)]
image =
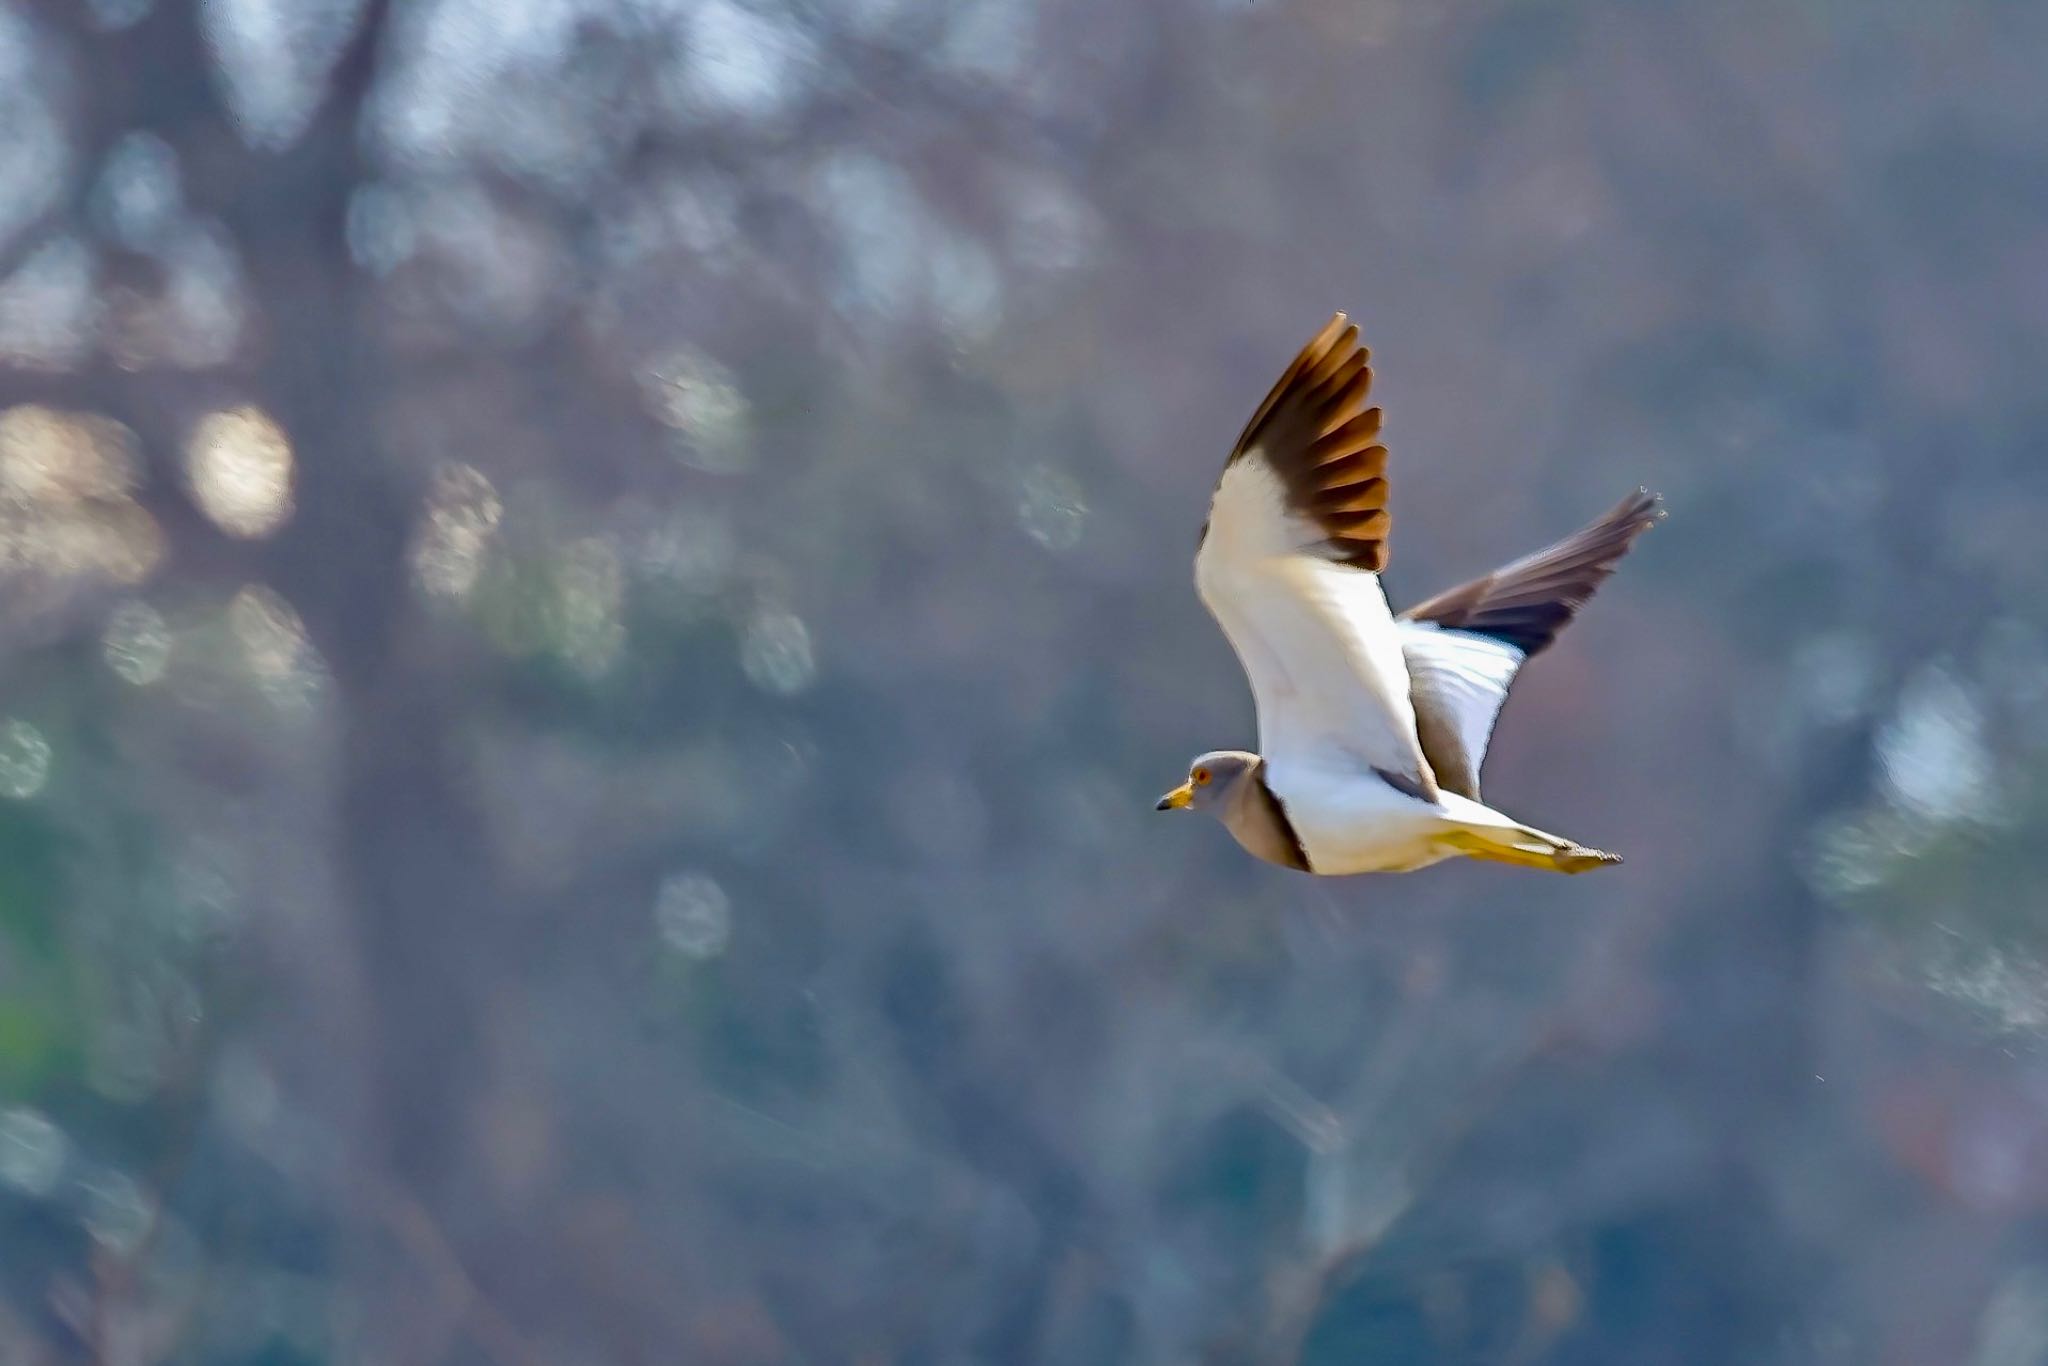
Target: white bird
[(1372, 728)]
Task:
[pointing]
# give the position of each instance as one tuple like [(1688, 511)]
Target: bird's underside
[(1372, 727)]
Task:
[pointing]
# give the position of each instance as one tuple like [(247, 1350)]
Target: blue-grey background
[(594, 595)]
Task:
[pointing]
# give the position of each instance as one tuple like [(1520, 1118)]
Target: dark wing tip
[(1621, 524), (1320, 439), (1525, 604), (1305, 360), (1643, 506)]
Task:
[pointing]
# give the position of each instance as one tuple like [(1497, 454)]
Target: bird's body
[(1348, 822), (1372, 728)]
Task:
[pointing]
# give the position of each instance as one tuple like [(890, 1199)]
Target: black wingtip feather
[(1526, 604)]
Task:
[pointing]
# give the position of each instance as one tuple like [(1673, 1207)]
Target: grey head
[(1211, 778), (1229, 784)]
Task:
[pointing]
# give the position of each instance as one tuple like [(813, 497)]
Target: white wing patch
[(1249, 519), (1316, 638), (1459, 679)]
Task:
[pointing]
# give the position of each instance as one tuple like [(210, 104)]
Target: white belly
[(1353, 822)]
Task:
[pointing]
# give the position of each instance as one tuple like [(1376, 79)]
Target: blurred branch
[(463, 1305)]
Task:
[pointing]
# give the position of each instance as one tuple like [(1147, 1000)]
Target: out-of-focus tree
[(592, 594)]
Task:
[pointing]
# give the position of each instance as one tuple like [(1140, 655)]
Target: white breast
[(1350, 822)]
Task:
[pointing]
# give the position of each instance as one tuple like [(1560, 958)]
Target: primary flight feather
[(1372, 727)]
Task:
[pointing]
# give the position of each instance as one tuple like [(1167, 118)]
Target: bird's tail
[(1489, 836)]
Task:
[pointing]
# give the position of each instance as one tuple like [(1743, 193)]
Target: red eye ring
[(1201, 777)]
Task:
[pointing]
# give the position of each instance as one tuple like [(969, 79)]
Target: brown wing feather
[(1528, 602), (1311, 431)]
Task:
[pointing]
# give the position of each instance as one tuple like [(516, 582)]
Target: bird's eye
[(1201, 777)]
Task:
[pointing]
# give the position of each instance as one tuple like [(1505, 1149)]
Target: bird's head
[(1210, 777)]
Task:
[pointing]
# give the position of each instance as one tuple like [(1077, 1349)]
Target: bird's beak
[(1176, 799)]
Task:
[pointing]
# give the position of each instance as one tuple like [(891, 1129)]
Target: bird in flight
[(1372, 727)]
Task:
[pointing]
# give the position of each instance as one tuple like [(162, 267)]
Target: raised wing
[(1289, 563), (1464, 647), (1325, 454)]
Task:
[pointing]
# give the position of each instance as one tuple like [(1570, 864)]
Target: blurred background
[(594, 596)]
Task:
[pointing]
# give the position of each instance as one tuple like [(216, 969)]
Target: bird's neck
[(1258, 820)]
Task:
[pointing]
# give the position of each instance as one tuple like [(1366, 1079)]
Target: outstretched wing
[(1464, 647), (1289, 563)]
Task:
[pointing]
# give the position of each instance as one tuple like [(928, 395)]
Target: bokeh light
[(117, 1211), (1050, 507), (64, 459), (462, 515), (275, 648), (693, 915), (136, 643), (698, 398), (32, 1151), (49, 310), (24, 760), (137, 199), (238, 463), (381, 235), (775, 652), (273, 58), (591, 588), (742, 59), (35, 152), (1933, 750)]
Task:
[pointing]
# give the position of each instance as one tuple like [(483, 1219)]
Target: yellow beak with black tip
[(1180, 797)]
